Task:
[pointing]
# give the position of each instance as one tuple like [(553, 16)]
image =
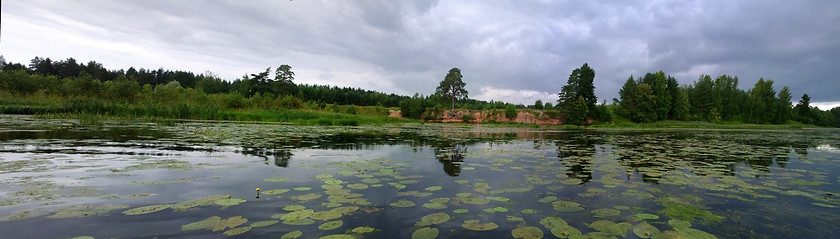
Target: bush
[(350, 110), (467, 117), (510, 112)]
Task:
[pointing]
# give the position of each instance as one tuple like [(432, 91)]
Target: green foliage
[(467, 117), (453, 86), (646, 104), (681, 106), (702, 99), (627, 94), (577, 112), (538, 104), (413, 107), (763, 100), (580, 84), (510, 112), (784, 106)]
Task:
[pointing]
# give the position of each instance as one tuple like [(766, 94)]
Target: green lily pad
[(432, 205), (292, 235), (362, 230), (299, 222), (679, 223), (147, 209), (433, 188), (332, 186), (277, 179), (565, 231), (553, 221), (403, 203), (333, 181), (409, 181), (229, 201), (230, 222), (463, 195), (548, 199), (500, 209), (264, 223), (647, 216), (425, 233), (274, 191), (302, 188), (297, 215), (528, 211), (236, 231), (476, 225), (459, 211), (645, 230), (294, 207), (527, 232), (475, 200), (338, 236), (605, 212), (611, 228), (566, 206), (331, 225), (307, 197), (434, 218), (694, 233), (325, 215), (197, 202), (203, 224)]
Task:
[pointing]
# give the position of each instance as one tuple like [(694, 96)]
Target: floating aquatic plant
[(291, 235), (425, 233), (403, 203), (147, 209), (274, 191), (645, 230), (477, 225), (264, 223), (277, 180), (605, 212), (363, 230), (331, 225), (527, 232), (236, 231), (433, 188), (434, 218), (460, 211), (528, 211), (357, 186), (229, 201), (647, 216)]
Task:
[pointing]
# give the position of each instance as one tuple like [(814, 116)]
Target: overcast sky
[(514, 51)]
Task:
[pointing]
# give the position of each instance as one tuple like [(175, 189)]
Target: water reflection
[(451, 156)]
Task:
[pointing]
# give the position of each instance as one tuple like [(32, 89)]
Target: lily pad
[(477, 225), (425, 233), (307, 197), (645, 230), (548, 199), (553, 221), (297, 215), (434, 218), (433, 188), (277, 179), (500, 209), (440, 200), (299, 222), (236, 231), (694, 233), (264, 223), (203, 224), (275, 191), (331, 225), (463, 195), (528, 211), (432, 205), (302, 188), (325, 215), (197, 202), (566, 206), (147, 209), (459, 211), (229, 201), (292, 235), (230, 222), (679, 223), (565, 231), (500, 199), (527, 232), (605, 212), (362, 230), (338, 236), (403, 203), (647, 216)]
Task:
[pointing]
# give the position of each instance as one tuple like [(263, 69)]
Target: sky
[(513, 51)]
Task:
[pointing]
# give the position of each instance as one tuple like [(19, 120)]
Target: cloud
[(525, 97), (408, 46)]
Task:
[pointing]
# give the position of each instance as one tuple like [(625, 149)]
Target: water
[(59, 179)]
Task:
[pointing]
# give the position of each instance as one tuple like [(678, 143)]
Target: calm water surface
[(59, 179)]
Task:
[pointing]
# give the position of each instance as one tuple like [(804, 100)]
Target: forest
[(66, 86)]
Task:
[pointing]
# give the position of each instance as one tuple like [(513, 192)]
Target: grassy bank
[(93, 111)]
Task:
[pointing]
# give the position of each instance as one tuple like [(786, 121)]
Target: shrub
[(510, 112)]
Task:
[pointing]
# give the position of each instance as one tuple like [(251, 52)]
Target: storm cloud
[(514, 51)]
